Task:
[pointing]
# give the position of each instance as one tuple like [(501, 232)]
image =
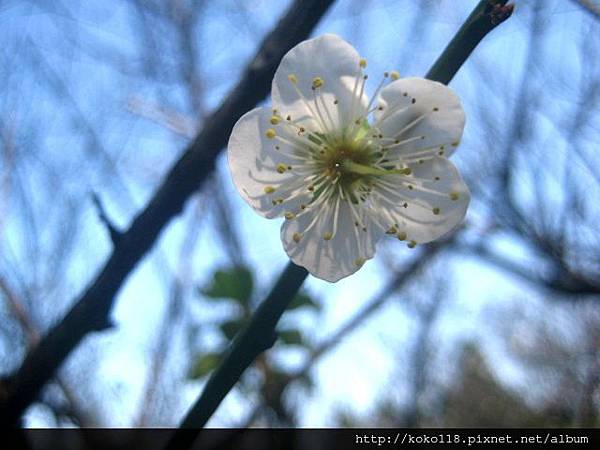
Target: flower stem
[(486, 16)]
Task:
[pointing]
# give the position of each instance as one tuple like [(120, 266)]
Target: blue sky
[(362, 368)]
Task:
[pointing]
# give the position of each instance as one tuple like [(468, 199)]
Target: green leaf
[(291, 337), (235, 283), (301, 300), (231, 327), (203, 365)]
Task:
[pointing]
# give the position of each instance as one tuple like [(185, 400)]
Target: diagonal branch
[(91, 311)]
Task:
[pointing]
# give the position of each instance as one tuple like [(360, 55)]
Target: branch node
[(499, 13), (114, 232)]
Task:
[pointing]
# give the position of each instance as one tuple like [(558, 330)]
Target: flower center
[(339, 160)]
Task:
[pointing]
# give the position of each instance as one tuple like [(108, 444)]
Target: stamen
[(374, 97), (412, 124), (301, 95), (336, 214)]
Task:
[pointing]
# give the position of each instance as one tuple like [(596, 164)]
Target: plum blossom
[(344, 170)]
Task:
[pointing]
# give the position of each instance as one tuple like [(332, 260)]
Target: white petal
[(436, 114), (253, 161), (337, 258), (333, 60), (434, 207)]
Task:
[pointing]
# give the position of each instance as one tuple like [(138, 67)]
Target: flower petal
[(333, 259), (337, 64), (254, 160), (414, 107), (426, 205)]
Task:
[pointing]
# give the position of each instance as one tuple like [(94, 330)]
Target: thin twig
[(115, 234), (486, 16)]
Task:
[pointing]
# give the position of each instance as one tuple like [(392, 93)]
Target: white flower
[(340, 181)]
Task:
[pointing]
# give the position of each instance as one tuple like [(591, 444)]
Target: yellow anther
[(270, 133), (359, 262), (436, 211), (401, 236), (289, 215), (292, 78), (436, 108), (411, 244), (279, 201), (392, 230), (327, 236), (281, 168), (269, 189), (455, 143), (407, 171), (275, 120), (317, 82), (362, 63), (296, 237), (394, 75), (454, 196)]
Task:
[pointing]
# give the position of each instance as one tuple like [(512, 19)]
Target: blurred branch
[(565, 283), (257, 337), (18, 311), (590, 6), (91, 311), (420, 355), (32, 336), (115, 234), (172, 321)]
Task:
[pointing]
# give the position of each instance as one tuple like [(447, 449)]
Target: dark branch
[(560, 282), (115, 234), (91, 311), (486, 16), (256, 338)]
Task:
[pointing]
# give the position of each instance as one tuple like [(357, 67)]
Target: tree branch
[(486, 16), (257, 337), (91, 311), (114, 233)]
